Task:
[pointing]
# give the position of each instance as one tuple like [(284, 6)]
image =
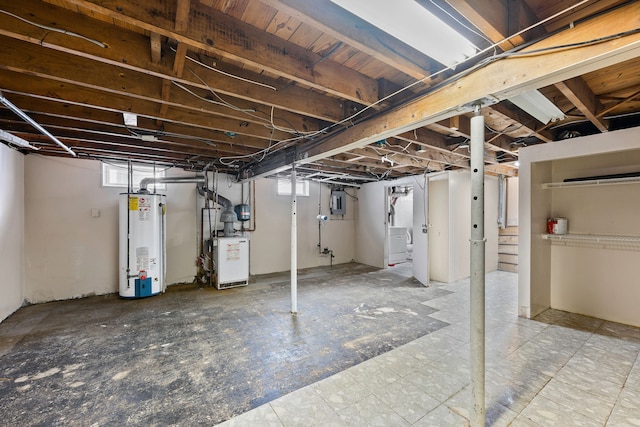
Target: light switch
[(95, 213)]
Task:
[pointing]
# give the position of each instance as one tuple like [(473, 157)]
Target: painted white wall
[(371, 224), (270, 243), (421, 248), (12, 257), (512, 201), (460, 224), (596, 281), (450, 210), (439, 228), (71, 254), (404, 212)]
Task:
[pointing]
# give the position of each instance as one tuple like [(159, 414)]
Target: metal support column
[(294, 245), (477, 271)]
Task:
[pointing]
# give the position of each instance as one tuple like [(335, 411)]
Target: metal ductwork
[(228, 216), (145, 182)]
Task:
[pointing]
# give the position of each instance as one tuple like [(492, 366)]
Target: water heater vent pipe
[(145, 182), (228, 216)]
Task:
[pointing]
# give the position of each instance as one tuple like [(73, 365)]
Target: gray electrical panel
[(338, 202)]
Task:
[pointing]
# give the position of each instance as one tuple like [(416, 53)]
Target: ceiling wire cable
[(249, 112), (409, 86), (208, 67), (468, 27), (210, 101), (431, 76), (54, 29), (491, 47)]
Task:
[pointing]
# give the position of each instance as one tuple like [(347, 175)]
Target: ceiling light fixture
[(16, 140), (33, 123), (414, 25), (538, 105)]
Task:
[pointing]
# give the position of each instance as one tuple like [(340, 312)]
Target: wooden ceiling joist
[(502, 80), (223, 35)]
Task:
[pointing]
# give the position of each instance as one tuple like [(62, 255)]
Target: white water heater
[(142, 244)]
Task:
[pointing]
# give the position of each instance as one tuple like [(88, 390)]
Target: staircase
[(508, 249)]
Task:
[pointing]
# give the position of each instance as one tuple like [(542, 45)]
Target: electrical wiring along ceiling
[(248, 87)]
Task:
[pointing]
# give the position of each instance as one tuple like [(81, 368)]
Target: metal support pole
[(294, 245), (477, 270)]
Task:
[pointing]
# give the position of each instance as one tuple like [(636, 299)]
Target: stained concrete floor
[(197, 355)]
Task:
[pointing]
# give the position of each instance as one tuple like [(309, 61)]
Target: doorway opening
[(399, 224)]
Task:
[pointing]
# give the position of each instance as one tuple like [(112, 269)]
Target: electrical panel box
[(338, 202)]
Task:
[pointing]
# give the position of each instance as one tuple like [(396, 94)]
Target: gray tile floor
[(560, 369)]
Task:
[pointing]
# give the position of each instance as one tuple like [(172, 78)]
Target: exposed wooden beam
[(526, 125), (48, 90), (183, 7), (502, 80), (629, 98), (335, 22), (577, 91), (223, 35), (180, 58), (499, 19), (206, 141), (129, 50), (19, 57), (156, 47)]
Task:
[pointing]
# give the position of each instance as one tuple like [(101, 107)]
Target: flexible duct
[(228, 216)]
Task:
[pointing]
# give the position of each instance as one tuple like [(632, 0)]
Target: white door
[(420, 225)]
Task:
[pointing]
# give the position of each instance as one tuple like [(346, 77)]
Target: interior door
[(421, 229)]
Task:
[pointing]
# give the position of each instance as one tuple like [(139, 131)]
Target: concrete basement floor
[(196, 355)]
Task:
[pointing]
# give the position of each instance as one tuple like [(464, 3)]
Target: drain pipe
[(477, 271)]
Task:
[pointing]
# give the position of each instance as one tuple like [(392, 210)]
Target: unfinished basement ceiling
[(250, 86)]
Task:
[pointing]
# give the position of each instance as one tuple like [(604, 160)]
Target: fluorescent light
[(414, 25), (15, 140), (536, 104), (33, 123)]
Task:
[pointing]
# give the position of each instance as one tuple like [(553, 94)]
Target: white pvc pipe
[(477, 271), (294, 245)]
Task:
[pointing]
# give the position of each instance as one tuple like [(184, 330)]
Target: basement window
[(284, 187), (116, 175)]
